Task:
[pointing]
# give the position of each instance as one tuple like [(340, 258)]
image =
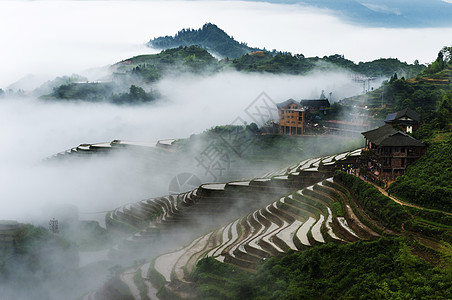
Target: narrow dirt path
[(396, 200)]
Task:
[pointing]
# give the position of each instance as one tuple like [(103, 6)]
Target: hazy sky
[(64, 37), (386, 13)]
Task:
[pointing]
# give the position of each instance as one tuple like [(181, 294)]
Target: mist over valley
[(159, 150)]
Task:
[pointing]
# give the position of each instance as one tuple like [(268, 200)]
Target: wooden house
[(315, 105), (407, 120), (388, 152), (291, 117)]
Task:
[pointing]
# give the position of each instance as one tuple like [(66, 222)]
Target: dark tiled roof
[(315, 103), (407, 112), (401, 139), (287, 102), (390, 117), (380, 133), (388, 136)]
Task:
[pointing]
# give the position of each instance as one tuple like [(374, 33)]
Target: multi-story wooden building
[(407, 120), (291, 117), (388, 152)]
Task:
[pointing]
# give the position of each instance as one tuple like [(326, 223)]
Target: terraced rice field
[(293, 222), (115, 145), (285, 210)]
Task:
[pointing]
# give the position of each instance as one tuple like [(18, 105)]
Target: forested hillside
[(381, 269), (428, 181), (181, 59), (284, 62), (245, 58), (131, 75), (188, 51), (209, 37), (429, 93)]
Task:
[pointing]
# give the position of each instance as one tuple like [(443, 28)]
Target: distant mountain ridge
[(384, 13), (209, 37)]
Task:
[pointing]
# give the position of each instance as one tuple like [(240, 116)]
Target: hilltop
[(191, 51), (209, 37), (152, 67), (217, 41)]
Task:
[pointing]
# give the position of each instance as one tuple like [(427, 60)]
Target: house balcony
[(399, 154)]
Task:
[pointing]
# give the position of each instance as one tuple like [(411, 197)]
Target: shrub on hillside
[(377, 205)]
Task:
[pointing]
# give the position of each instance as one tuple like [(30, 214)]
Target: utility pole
[(53, 225)]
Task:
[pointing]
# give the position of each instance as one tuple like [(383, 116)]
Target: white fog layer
[(34, 129)]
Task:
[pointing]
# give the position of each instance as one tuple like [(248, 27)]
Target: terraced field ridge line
[(288, 233), (164, 263), (235, 235), (344, 224), (127, 278), (329, 225), (316, 234), (302, 233), (341, 156), (224, 238), (151, 291), (183, 259), (214, 186), (253, 239), (244, 183), (272, 231), (328, 159)]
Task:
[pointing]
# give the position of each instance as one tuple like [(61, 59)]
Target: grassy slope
[(428, 181)]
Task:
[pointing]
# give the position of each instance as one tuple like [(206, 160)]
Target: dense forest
[(135, 95), (152, 67), (284, 62), (83, 91), (209, 37)]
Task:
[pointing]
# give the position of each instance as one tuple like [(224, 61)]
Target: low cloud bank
[(34, 129)]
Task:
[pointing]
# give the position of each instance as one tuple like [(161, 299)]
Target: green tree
[(137, 93)]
